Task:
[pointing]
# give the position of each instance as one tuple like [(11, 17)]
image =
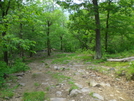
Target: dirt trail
[(92, 86)]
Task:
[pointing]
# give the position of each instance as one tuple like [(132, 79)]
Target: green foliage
[(6, 93), (34, 96), (99, 69), (73, 86), (127, 71), (19, 66), (36, 84), (91, 94), (4, 69)]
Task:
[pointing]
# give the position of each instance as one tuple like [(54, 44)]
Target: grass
[(7, 93), (99, 69), (73, 86), (34, 96), (92, 94), (60, 77), (115, 64), (65, 58), (36, 84)]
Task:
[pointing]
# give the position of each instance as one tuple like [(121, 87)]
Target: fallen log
[(121, 60)]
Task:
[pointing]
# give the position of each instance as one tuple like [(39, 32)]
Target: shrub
[(4, 69), (19, 66)]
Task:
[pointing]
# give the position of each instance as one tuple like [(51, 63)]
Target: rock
[(22, 84), (77, 73), (81, 71), (56, 67), (97, 85), (105, 84), (92, 83), (84, 76), (98, 96), (88, 62), (6, 97), (87, 72), (46, 83), (19, 74), (122, 98), (34, 74), (111, 69), (58, 99), (85, 90), (59, 93), (80, 86), (112, 100), (9, 84), (19, 77), (74, 92)]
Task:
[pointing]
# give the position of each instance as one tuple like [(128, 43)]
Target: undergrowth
[(34, 96)]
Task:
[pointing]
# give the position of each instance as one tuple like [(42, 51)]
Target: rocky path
[(58, 81)]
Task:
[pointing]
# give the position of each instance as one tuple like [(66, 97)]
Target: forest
[(101, 29)]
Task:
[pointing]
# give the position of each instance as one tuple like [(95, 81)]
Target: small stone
[(22, 84), (98, 96), (74, 92), (117, 91), (111, 95), (112, 100), (122, 98), (111, 69), (58, 99), (19, 77), (107, 84), (88, 62), (9, 84), (45, 83), (97, 85), (85, 90), (56, 67), (59, 93), (84, 76), (80, 86), (6, 97), (19, 74)]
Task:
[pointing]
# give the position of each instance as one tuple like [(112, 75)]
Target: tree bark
[(121, 60), (98, 54), (4, 12), (5, 52), (48, 39), (61, 43), (107, 27)]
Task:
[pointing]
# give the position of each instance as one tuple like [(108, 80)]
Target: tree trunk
[(5, 52), (4, 12), (48, 39), (121, 60), (61, 44), (107, 27), (98, 54)]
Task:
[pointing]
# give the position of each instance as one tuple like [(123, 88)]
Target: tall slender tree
[(98, 54)]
